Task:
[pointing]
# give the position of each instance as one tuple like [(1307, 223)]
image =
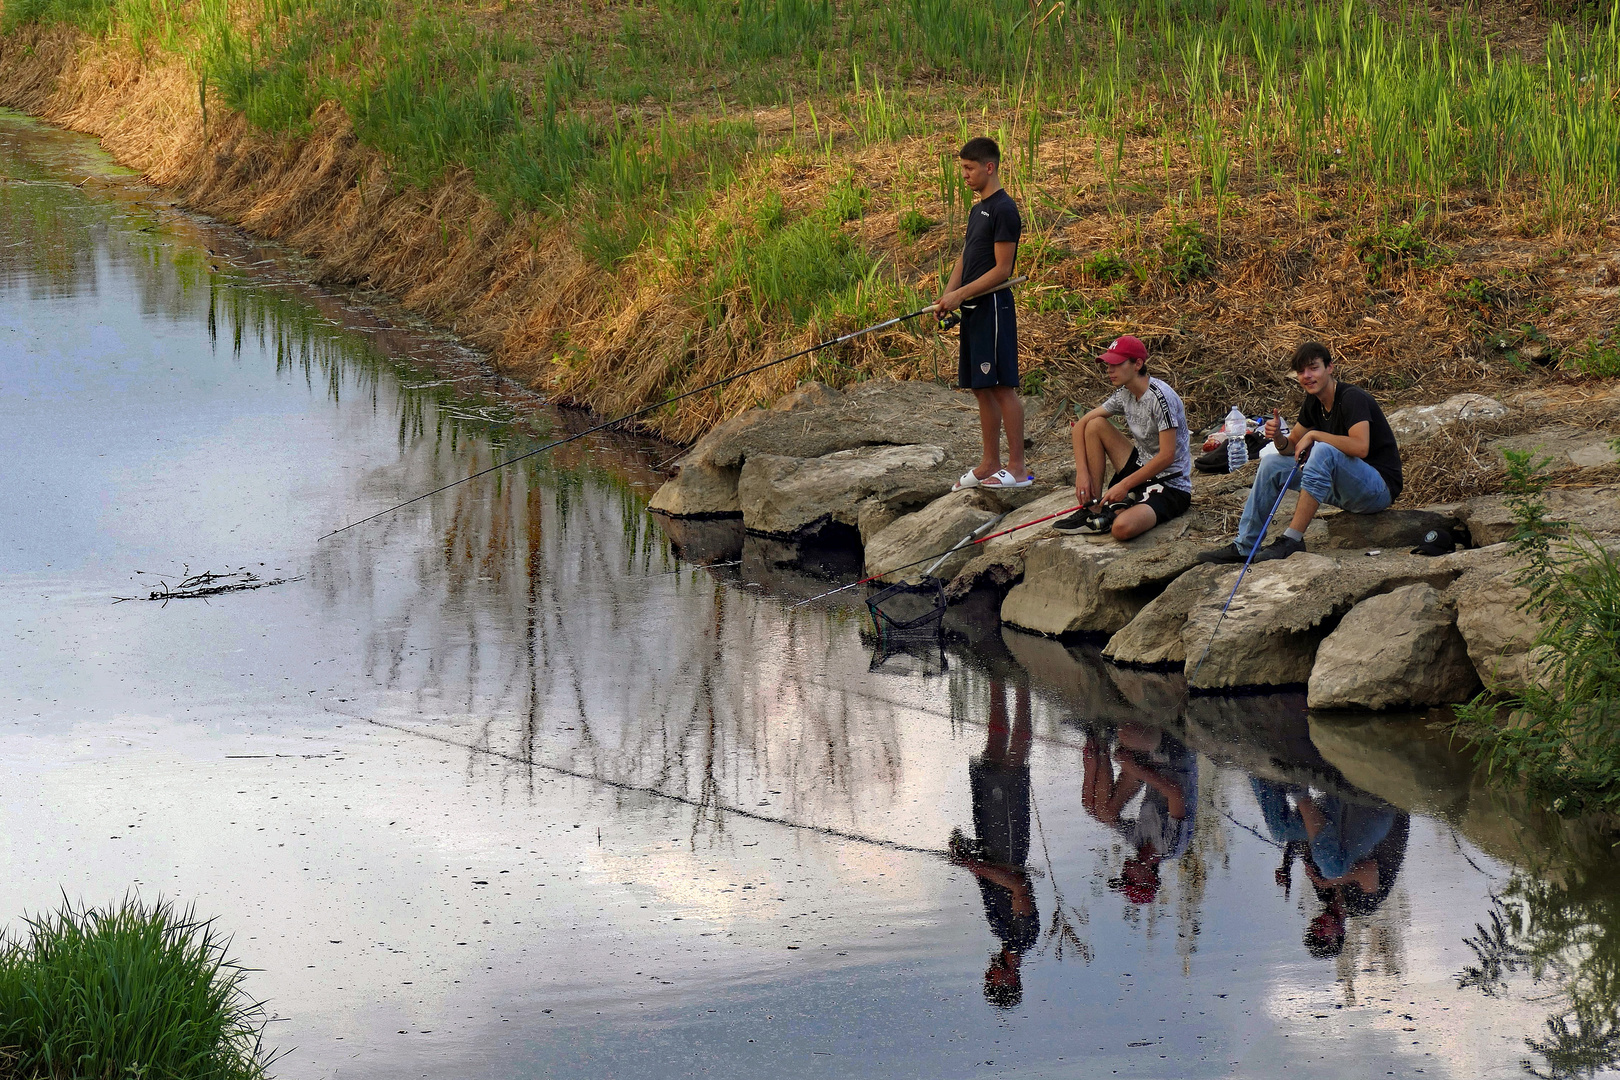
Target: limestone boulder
[(1093, 584), (1595, 510), (812, 422), (1153, 636), (1418, 422), (933, 530), (1282, 612), (1396, 649), (1566, 445), (1496, 628), (1000, 562), (699, 490), (800, 497)]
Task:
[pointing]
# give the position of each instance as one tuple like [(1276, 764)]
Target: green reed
[(131, 990)]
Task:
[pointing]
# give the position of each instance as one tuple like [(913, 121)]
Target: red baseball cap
[(1123, 349)]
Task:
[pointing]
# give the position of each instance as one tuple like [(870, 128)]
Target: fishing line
[(927, 558), (621, 785), (1252, 552), (852, 335)]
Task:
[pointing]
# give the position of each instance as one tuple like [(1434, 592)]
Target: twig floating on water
[(200, 586)]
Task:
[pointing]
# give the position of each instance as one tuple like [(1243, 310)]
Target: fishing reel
[(949, 320)]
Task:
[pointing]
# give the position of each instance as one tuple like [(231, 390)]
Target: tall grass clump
[(1560, 734), (134, 990)]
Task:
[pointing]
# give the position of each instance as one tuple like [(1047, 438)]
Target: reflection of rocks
[(1399, 648), (1093, 583), (1094, 689), (703, 541), (1396, 759), (923, 534), (1596, 510), (1271, 631), (795, 572), (800, 497), (1265, 735)]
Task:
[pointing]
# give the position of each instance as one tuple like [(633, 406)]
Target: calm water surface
[(514, 784)]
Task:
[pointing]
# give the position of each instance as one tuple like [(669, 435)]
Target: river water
[(512, 783)]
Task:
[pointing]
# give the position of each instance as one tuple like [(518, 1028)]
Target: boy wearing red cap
[(1152, 467)]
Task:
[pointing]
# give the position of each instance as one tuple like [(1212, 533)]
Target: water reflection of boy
[(1353, 851), (1166, 773), (999, 779)]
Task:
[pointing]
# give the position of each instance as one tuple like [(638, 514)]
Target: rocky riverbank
[(1358, 620)]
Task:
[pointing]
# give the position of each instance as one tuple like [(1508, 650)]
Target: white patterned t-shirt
[(1158, 409)]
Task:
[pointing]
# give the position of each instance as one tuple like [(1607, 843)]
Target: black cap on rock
[(1436, 542)]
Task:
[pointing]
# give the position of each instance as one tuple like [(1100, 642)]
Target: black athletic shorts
[(1167, 504), (989, 344)]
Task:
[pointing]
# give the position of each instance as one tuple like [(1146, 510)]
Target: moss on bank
[(624, 200)]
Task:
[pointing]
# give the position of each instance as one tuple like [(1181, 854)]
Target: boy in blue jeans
[(1346, 455)]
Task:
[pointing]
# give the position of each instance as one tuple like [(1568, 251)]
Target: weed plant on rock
[(1560, 733), (134, 990)]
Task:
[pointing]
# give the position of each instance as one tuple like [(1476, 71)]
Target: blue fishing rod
[(1252, 552)]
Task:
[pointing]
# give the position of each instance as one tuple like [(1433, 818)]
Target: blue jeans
[(1332, 476), (1350, 830)]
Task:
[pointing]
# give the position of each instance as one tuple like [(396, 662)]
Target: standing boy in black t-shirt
[(989, 348), (1346, 453)]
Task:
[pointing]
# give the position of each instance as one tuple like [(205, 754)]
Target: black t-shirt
[(1352, 405), (991, 221)]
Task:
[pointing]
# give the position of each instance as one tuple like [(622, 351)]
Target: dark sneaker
[(1226, 553), (1280, 548), (1083, 521)]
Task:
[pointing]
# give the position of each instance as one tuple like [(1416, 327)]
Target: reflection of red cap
[(1123, 349), (1140, 892), (1139, 879)]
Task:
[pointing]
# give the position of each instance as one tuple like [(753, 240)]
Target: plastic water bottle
[(1237, 448)]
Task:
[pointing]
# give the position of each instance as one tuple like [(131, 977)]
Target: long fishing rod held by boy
[(643, 411)]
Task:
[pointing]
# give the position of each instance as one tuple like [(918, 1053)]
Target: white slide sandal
[(968, 480), (1005, 480)]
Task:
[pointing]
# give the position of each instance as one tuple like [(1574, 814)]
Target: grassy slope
[(626, 199)]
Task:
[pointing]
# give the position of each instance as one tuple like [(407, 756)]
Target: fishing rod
[(926, 558), (839, 340), (1252, 552)]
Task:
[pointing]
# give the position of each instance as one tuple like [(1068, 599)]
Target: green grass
[(1186, 252), (1600, 359), (129, 991)]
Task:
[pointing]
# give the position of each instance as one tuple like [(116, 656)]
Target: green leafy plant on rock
[(1560, 731)]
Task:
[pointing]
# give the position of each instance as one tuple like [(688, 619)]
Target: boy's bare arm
[(957, 293)]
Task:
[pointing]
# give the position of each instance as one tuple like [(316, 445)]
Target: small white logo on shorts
[(985, 368)]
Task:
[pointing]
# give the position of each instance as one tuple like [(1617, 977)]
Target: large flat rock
[(813, 422), (1390, 530), (933, 530), (1093, 584), (1418, 422), (1564, 445), (1396, 649), (1283, 610), (1596, 510), (797, 497)]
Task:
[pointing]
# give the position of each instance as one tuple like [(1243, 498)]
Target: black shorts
[(989, 343), (1168, 503)]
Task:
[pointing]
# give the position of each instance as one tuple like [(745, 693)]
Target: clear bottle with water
[(1237, 448)]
